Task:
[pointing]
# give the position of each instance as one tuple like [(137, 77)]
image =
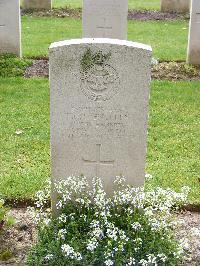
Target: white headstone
[(179, 6), (105, 19), (10, 27), (99, 110), (37, 4), (194, 34)]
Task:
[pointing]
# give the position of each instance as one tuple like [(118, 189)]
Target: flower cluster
[(70, 253), (131, 227)]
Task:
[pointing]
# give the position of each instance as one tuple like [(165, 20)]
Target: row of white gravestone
[(10, 27), (10, 23), (105, 19), (166, 5), (101, 18), (180, 6), (98, 110), (193, 54), (37, 4)]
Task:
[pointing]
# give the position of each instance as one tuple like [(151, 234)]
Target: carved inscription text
[(97, 122)]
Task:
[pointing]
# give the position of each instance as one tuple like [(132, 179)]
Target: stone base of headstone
[(37, 4), (179, 6), (193, 56)]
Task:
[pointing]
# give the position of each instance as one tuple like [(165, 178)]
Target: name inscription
[(97, 122)]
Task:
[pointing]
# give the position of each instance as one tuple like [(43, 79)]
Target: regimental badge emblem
[(100, 81)]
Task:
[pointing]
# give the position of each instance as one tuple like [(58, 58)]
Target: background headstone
[(105, 19), (10, 27), (194, 34), (180, 6), (37, 4), (98, 110)]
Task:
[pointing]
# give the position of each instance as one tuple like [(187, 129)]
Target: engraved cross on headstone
[(98, 162), (105, 27)]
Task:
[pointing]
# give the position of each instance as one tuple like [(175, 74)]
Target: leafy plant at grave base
[(4, 218), (2, 213), (133, 227), (191, 69), (6, 254), (13, 66), (90, 59)]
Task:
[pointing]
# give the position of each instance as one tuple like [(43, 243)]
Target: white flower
[(148, 176), (78, 256), (184, 243), (62, 218), (143, 262), (59, 204), (48, 257), (136, 226), (81, 201), (92, 244), (195, 232), (47, 221), (162, 257), (185, 190), (152, 259), (123, 236), (119, 180), (1, 203), (62, 233), (131, 262), (93, 204), (68, 251), (109, 262)]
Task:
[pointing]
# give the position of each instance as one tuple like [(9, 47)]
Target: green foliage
[(6, 255), (78, 231), (132, 227), (190, 69), (12, 66), (5, 219), (10, 221), (2, 212), (90, 59)]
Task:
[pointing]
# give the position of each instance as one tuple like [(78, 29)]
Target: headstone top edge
[(100, 41)]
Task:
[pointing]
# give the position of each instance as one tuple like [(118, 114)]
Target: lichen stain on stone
[(90, 59)]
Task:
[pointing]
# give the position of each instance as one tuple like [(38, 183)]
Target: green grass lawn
[(133, 4), (173, 149), (168, 39), (24, 105)]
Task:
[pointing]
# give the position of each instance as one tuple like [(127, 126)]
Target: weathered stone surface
[(194, 34), (10, 27), (180, 6), (105, 19), (37, 4), (98, 109)]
